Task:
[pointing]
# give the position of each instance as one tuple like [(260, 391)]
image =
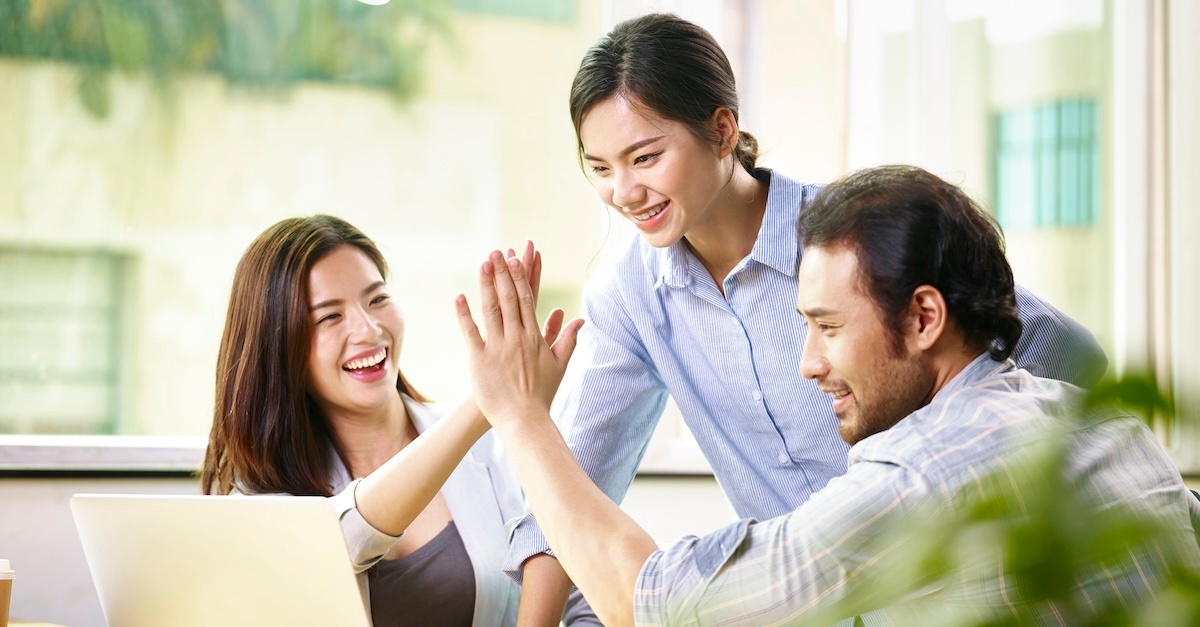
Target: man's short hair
[(910, 228)]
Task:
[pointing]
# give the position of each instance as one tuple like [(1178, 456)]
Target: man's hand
[(514, 374), (516, 370)]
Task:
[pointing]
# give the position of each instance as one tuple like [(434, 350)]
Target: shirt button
[(784, 459), (757, 395)]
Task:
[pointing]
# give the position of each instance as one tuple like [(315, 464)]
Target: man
[(912, 317)]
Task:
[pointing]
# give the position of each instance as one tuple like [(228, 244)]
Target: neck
[(366, 441), (729, 233), (948, 362)]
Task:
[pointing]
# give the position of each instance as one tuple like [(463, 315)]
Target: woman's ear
[(928, 316), (726, 127)]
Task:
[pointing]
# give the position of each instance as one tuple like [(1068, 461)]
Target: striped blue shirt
[(658, 325), (853, 536)]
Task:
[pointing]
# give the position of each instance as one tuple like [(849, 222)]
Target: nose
[(365, 327), (627, 189), (813, 364)]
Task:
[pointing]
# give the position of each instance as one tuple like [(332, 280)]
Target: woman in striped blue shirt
[(700, 305)]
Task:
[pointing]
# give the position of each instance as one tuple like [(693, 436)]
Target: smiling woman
[(311, 401)]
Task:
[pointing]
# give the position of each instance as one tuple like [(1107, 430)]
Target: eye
[(382, 298), (329, 318), (599, 170), (646, 158)]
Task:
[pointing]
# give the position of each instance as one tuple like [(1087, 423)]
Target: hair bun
[(747, 150)]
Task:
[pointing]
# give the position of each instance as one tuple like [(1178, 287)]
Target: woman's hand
[(531, 260), (516, 370)]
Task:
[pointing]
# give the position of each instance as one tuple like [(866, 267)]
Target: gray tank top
[(434, 585)]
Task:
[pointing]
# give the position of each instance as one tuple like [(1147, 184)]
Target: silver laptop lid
[(218, 560)]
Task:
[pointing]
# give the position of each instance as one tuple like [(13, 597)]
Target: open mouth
[(642, 217), (841, 399), (366, 365)]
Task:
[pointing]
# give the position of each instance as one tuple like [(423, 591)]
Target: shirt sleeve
[(794, 569), (607, 407), (367, 545), (1054, 346)]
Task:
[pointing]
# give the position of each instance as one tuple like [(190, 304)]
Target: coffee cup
[(6, 581)]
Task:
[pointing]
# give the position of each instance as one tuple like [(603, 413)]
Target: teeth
[(367, 362), (839, 394), (650, 214)]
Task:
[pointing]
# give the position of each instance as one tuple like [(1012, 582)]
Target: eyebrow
[(337, 301), (628, 149), (816, 312)]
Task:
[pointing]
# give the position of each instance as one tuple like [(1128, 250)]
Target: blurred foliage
[(1031, 518), (1139, 394), (255, 43)]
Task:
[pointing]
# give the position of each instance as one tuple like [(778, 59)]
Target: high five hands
[(515, 366)]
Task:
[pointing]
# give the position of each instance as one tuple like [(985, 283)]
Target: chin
[(849, 435), (662, 239)]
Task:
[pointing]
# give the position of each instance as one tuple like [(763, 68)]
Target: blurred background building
[(144, 144)]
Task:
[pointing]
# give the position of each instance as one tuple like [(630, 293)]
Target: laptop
[(236, 561)]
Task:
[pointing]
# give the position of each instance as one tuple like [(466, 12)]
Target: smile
[(366, 362), (642, 217)]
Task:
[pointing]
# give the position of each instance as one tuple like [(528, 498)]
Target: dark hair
[(910, 228), (669, 65), (268, 435)]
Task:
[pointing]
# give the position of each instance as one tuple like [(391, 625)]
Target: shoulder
[(627, 260), (627, 275), (785, 191), (989, 417)]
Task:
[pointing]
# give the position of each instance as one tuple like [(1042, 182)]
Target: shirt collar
[(982, 367), (775, 246)]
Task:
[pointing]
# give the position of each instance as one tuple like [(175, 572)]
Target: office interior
[(129, 189)]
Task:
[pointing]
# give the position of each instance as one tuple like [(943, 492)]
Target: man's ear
[(726, 127), (928, 316)]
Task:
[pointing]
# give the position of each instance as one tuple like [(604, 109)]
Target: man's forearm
[(601, 548)]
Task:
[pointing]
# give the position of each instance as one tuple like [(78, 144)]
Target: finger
[(506, 294), (535, 274), (524, 296), (532, 260), (466, 324), (493, 320), (527, 255), (564, 346), (553, 326)]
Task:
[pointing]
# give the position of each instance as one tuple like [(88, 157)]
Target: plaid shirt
[(844, 540)]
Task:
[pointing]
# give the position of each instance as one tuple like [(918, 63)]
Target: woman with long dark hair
[(310, 400)]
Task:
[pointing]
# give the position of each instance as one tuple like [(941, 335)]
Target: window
[(1046, 165), (61, 340)]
